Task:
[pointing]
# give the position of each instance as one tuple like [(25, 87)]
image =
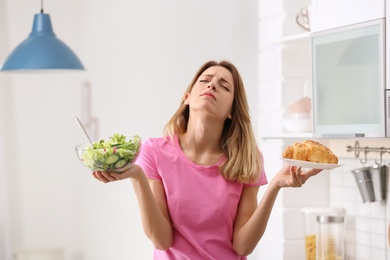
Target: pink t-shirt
[(201, 203)]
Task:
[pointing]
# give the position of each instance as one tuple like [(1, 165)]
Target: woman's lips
[(209, 94)]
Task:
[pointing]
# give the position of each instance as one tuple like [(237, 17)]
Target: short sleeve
[(263, 178), (147, 159)]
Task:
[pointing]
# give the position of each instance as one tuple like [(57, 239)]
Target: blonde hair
[(238, 143)]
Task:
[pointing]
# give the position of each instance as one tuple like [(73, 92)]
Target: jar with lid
[(330, 238), (310, 222)]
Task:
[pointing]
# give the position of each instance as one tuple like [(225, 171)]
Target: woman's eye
[(203, 80), (226, 88)]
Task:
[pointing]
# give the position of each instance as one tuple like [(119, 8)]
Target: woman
[(197, 186)]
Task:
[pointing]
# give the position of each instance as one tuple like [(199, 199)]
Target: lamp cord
[(41, 6)]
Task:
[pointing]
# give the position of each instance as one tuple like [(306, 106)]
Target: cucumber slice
[(113, 158), (100, 166), (120, 163)]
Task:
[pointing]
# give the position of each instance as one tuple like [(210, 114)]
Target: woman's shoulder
[(157, 147), (159, 141)]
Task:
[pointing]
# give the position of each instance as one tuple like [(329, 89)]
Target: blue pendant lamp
[(42, 50)]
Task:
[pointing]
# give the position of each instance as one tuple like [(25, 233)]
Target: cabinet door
[(329, 14), (348, 81)]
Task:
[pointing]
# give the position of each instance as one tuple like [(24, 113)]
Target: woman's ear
[(230, 116), (186, 99)]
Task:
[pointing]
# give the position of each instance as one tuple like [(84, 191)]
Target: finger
[(100, 176), (97, 175), (310, 173), (108, 176), (116, 176), (294, 171), (315, 171), (299, 176)]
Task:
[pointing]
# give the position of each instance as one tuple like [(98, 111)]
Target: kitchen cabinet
[(285, 61), (329, 14), (387, 58), (284, 69), (285, 79), (349, 81)]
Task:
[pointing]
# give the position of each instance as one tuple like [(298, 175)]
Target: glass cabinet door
[(348, 81)]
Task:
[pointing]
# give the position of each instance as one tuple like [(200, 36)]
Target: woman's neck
[(202, 142)]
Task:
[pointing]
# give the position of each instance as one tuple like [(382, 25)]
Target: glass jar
[(330, 238), (310, 234)]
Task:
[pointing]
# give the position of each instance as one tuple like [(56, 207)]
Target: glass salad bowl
[(114, 154)]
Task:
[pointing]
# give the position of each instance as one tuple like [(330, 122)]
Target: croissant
[(310, 151)]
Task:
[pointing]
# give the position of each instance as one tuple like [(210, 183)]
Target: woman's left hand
[(293, 176)]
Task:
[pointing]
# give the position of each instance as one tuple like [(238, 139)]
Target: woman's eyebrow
[(219, 79), (225, 80)]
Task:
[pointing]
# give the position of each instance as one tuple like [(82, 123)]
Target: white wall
[(140, 57), (4, 216)]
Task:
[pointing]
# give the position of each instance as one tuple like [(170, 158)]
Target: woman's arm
[(152, 204), (251, 220)]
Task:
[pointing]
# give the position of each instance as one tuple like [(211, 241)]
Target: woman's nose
[(211, 86)]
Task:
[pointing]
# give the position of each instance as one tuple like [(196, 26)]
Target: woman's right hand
[(135, 171), (293, 176)]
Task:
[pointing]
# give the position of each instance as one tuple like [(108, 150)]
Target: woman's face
[(213, 93)]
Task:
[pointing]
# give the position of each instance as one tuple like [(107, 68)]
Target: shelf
[(286, 39), (313, 136), (289, 136)]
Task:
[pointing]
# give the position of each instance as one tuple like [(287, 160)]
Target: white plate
[(312, 165)]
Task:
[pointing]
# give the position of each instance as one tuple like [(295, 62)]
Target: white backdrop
[(5, 239)]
